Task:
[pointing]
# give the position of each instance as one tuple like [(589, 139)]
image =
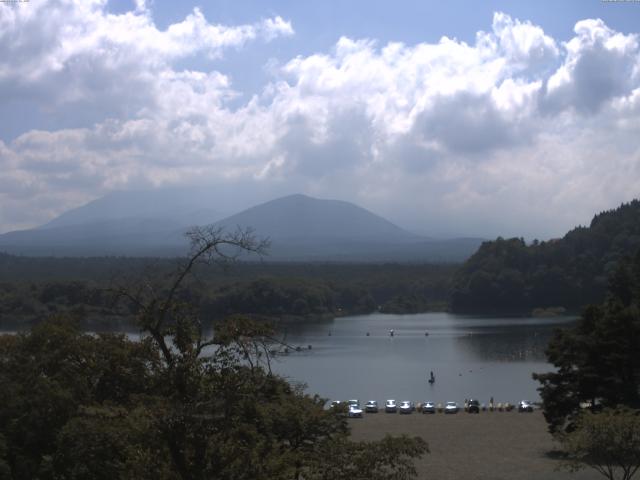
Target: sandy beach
[(484, 446)]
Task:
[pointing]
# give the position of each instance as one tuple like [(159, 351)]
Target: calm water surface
[(470, 356)]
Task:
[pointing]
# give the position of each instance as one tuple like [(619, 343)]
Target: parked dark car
[(371, 406), (473, 406)]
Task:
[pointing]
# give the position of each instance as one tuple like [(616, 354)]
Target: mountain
[(129, 223), (179, 206), (303, 228), (299, 218), (127, 236), (511, 276), (300, 228)]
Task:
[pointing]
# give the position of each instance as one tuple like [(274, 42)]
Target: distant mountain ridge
[(178, 206), (300, 227)]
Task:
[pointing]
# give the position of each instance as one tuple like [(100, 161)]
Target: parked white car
[(355, 411), (451, 407), (406, 407), (390, 406), (525, 406)]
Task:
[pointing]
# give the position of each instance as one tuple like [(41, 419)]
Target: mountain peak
[(300, 216), (297, 196)]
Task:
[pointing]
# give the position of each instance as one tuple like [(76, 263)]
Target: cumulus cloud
[(600, 64), (523, 45), (65, 52), (513, 134)]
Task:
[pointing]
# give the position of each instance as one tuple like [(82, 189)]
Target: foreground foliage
[(597, 362), (608, 442), (174, 405)]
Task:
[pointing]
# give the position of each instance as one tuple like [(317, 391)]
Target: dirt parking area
[(484, 446)]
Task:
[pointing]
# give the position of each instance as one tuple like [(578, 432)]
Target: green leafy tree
[(597, 362), (49, 374), (608, 442), (108, 442)]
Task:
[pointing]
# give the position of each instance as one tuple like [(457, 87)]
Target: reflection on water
[(509, 342), (470, 356)]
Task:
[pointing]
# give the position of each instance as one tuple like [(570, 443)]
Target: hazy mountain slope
[(122, 223), (306, 219), (128, 236), (179, 206)]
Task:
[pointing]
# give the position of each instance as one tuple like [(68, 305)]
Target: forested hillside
[(32, 289), (510, 276)]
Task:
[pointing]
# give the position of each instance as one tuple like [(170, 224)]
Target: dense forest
[(507, 275), (32, 289)]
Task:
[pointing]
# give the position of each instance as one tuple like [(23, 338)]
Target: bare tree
[(159, 310)]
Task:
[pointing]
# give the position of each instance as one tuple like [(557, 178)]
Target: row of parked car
[(354, 409)]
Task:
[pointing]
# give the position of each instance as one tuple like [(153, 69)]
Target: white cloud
[(514, 134), (521, 44), (73, 51), (600, 64)]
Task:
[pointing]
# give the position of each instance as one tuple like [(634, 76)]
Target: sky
[(453, 118)]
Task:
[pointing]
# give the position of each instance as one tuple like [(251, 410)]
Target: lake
[(470, 356)]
